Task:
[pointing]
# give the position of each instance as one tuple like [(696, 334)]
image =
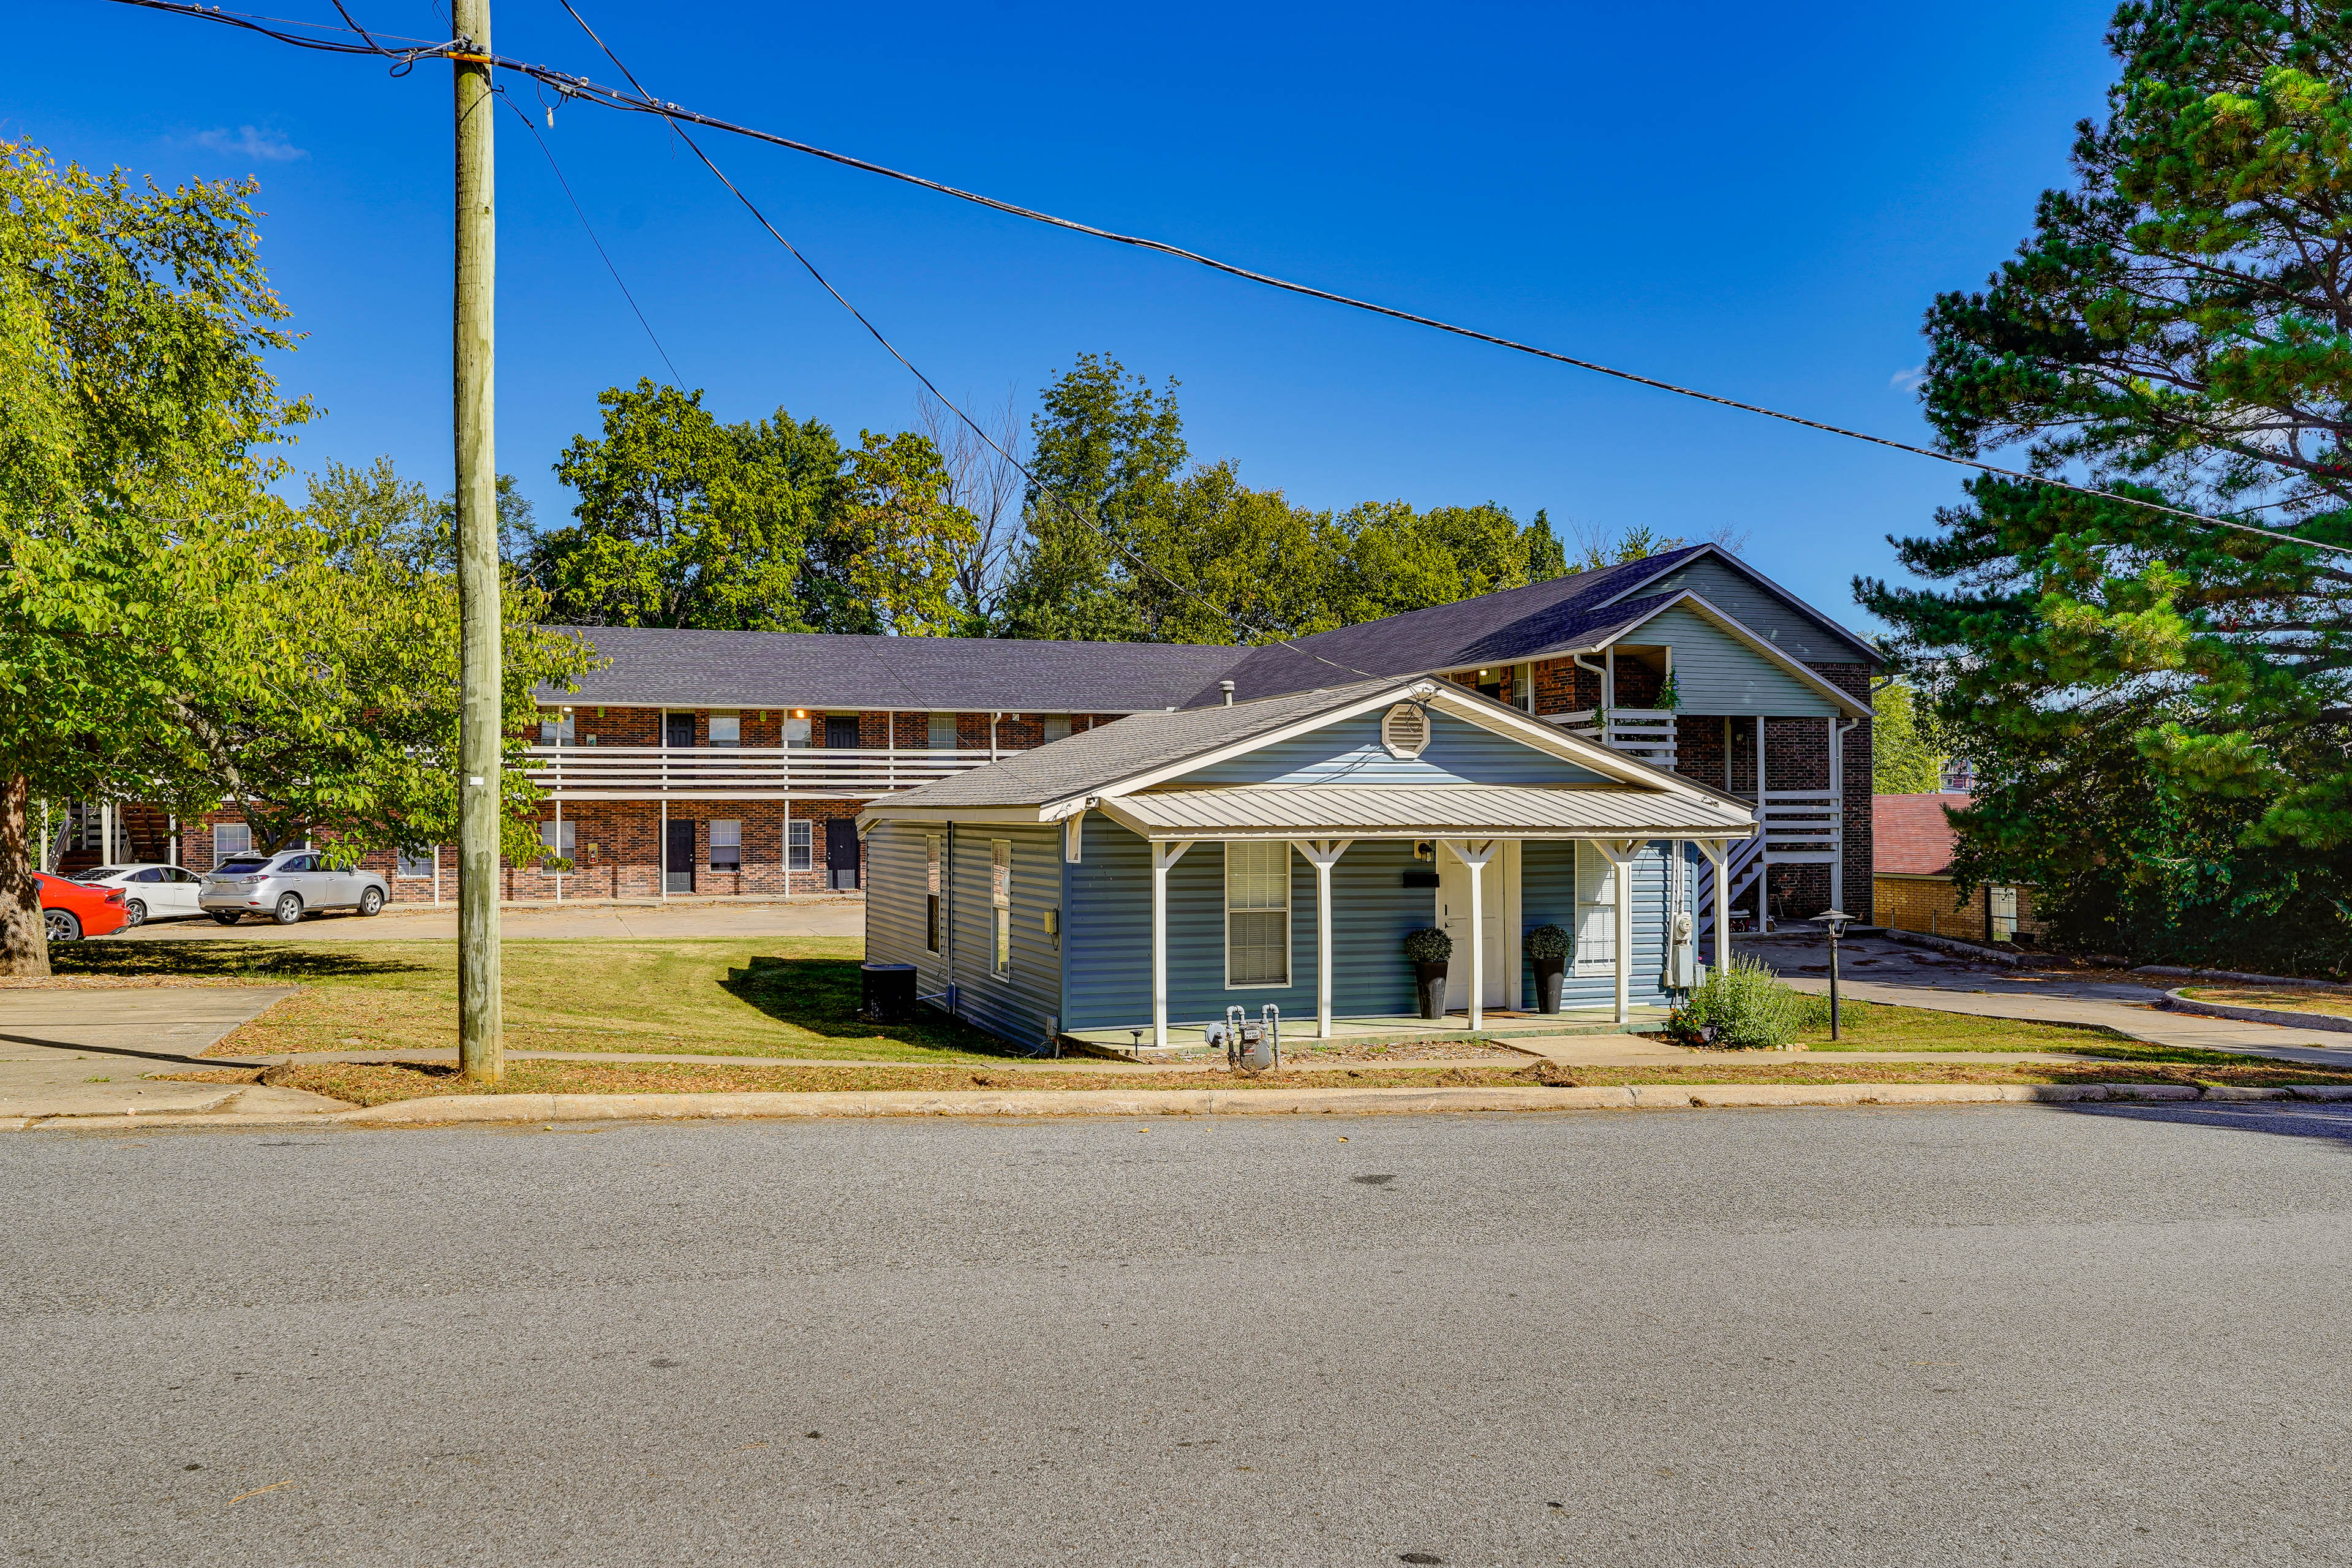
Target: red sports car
[(73, 910)]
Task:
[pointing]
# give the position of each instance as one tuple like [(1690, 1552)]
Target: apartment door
[(1454, 918), (678, 728), (678, 856), (840, 730), (841, 849)]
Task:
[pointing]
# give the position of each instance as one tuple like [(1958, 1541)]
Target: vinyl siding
[(1109, 933), (1108, 921), (895, 890), (1017, 1007), (1717, 673), (1547, 896), (1788, 625), (1350, 752)]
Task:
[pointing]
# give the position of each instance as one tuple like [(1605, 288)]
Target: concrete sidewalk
[(612, 920), (1877, 969), (83, 1053)]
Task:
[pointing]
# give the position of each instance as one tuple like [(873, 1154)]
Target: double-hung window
[(798, 845), (550, 845), (1596, 911), (726, 729), (230, 839), (726, 845), (931, 918), (555, 730), (1000, 896), (943, 732), (417, 863), (1257, 914), (1057, 726), (796, 730)]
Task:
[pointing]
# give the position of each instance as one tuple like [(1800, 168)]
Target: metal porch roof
[(1450, 811)]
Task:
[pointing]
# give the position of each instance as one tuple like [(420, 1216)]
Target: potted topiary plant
[(1548, 949), (1429, 947)]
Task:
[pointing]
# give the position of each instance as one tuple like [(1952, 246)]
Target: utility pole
[(479, 728)]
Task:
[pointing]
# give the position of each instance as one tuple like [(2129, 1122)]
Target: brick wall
[(1562, 688), (1929, 904)]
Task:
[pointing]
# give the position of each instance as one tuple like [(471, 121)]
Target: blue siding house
[(1139, 879)]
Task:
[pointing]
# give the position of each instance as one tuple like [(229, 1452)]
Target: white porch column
[(559, 839), (661, 844), (1714, 850), (1164, 854), (1323, 854), (1475, 857), (1620, 853)]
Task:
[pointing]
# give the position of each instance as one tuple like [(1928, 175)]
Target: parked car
[(150, 891), (72, 911), (287, 886)]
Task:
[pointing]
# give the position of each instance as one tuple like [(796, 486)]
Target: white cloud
[(1910, 380), (250, 142)]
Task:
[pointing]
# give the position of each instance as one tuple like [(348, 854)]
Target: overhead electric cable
[(1110, 536), (591, 231), (643, 103)]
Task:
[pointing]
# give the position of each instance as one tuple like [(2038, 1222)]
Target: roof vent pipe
[(1227, 688)]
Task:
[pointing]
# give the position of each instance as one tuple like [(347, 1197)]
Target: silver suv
[(288, 885)]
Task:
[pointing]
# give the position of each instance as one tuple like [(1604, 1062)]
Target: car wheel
[(288, 910), (226, 917), (62, 925), (372, 901), (134, 914)]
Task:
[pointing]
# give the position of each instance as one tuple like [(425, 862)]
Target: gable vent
[(1404, 731)]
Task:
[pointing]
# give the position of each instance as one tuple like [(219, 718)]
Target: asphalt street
[(1933, 1336)]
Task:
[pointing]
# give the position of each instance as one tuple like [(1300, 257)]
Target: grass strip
[(372, 1083)]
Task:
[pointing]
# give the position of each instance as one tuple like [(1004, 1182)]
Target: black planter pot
[(1550, 974), (1429, 983)]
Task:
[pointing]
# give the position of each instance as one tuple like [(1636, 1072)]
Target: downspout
[(1838, 733)]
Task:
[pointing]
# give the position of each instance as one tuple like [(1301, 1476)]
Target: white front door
[(1454, 919)]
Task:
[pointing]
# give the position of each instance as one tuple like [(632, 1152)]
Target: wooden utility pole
[(479, 728)]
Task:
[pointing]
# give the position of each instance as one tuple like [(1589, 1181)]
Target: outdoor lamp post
[(1836, 921)]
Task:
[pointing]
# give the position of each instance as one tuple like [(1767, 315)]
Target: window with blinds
[(1596, 911), (1257, 914), (999, 894)]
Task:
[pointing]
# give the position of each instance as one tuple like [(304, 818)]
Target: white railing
[(1802, 827), (729, 773), (1647, 733)]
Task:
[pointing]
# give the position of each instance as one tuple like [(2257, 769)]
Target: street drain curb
[(514, 1109)]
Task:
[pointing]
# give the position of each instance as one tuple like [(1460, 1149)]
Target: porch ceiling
[(1426, 810)]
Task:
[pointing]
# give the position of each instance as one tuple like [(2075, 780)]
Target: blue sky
[(1759, 201)]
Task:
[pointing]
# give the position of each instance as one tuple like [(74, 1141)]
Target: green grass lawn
[(704, 997), (1875, 1027)]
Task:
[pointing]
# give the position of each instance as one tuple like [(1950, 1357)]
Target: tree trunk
[(24, 942)]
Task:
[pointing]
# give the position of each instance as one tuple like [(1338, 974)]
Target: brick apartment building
[(735, 764)]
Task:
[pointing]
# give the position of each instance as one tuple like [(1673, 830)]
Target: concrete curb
[(2237, 975), (1956, 949), (518, 1108), (2175, 1002)]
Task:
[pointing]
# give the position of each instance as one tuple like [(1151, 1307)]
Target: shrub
[(1428, 945), (1548, 941), (1747, 1009)]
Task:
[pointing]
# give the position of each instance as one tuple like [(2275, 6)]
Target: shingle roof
[(972, 674), (1342, 810), (1909, 836), (1096, 758), (1494, 628)]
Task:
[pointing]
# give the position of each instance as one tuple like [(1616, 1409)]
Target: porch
[(1378, 1029)]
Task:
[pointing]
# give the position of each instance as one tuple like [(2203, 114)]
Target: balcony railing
[(1647, 733), (727, 773)]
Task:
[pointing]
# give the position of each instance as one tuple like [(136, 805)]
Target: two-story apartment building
[(726, 763)]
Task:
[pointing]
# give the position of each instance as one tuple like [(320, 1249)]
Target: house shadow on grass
[(823, 996), (272, 963)]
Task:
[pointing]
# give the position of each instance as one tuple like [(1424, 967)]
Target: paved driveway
[(82, 1052), (1841, 1339), (815, 917)]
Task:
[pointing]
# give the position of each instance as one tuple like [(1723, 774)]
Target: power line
[(584, 224), (1109, 535), (643, 103)]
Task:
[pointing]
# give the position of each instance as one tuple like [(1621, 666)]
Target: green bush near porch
[(1749, 1008)]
